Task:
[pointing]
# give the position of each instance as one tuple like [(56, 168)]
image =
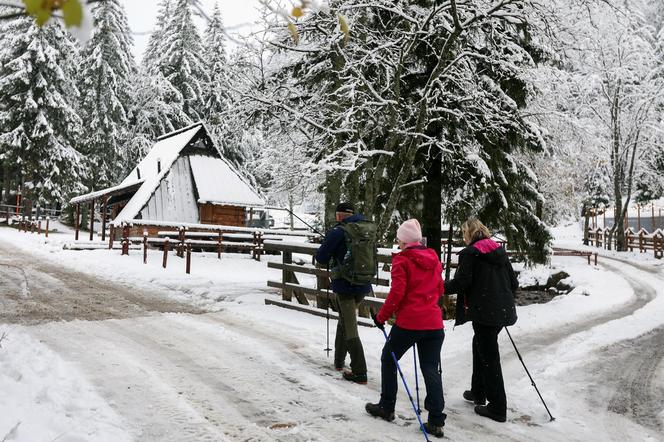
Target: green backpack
[(360, 264)]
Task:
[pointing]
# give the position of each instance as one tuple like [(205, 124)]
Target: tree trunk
[(332, 195), (586, 223), (6, 182), (431, 209), (618, 172)]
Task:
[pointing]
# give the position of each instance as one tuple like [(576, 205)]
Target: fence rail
[(188, 238), (642, 240), (316, 299)]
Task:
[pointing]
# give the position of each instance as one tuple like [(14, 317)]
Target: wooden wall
[(222, 215)]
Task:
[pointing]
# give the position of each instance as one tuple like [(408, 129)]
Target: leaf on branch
[(343, 25), (42, 10), (72, 12), (297, 12)]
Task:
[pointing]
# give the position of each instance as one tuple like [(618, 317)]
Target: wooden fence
[(188, 238), (643, 241), (34, 225), (314, 299)]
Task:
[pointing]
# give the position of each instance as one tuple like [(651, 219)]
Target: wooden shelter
[(183, 178)]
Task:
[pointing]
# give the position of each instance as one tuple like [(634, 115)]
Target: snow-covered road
[(152, 364)]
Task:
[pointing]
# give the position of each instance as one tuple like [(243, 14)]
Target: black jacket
[(486, 285)]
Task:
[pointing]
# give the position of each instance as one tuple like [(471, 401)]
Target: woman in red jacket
[(417, 285)]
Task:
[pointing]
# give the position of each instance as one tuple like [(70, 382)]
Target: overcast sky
[(238, 16)]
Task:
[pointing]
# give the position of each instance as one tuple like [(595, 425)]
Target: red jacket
[(417, 284)]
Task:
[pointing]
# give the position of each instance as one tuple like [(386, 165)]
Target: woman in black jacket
[(486, 284)]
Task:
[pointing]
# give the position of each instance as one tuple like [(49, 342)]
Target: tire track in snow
[(620, 377), (643, 294), (462, 423)]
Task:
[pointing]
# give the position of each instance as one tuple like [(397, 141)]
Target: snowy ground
[(160, 355)]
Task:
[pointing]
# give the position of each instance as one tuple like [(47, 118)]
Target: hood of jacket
[(423, 257), (490, 251)]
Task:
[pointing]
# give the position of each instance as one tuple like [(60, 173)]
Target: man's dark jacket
[(486, 285), (334, 245)]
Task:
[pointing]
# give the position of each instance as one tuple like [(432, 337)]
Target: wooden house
[(183, 179)]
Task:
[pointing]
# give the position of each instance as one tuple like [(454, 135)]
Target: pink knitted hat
[(410, 231)]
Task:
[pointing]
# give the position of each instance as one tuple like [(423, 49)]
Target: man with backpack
[(349, 250)]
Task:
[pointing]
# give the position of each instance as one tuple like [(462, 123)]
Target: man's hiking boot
[(357, 378), (339, 367), (433, 430), (469, 396), (484, 410), (378, 411)]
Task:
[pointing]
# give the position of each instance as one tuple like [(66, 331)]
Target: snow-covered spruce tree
[(39, 126), (182, 61), (217, 94), (154, 51), (107, 70), (417, 81), (156, 109)]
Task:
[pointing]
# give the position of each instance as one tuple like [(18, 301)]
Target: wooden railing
[(188, 238), (315, 299), (642, 240), (34, 225)]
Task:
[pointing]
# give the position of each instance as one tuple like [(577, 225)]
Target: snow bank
[(44, 399)]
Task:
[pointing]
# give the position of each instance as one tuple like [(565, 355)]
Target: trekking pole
[(403, 379), (417, 386), (528, 373), (327, 348)]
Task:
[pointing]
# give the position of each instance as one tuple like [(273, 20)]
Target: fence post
[(8, 212), (641, 250), (47, 221), (188, 259), (32, 225), (39, 225), (219, 245), (145, 246), (125, 239), (181, 242), (165, 253), (658, 244)]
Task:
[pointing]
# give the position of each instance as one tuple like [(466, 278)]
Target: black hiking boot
[(483, 410), (469, 396), (378, 411), (434, 430), (357, 378)]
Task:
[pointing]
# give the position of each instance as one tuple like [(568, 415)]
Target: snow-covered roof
[(217, 182), (165, 152), (106, 192)]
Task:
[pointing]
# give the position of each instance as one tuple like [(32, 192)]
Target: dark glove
[(380, 325)]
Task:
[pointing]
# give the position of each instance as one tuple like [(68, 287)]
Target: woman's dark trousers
[(487, 381), (429, 344)]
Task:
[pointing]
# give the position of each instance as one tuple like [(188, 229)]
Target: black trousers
[(429, 343), (487, 381)]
